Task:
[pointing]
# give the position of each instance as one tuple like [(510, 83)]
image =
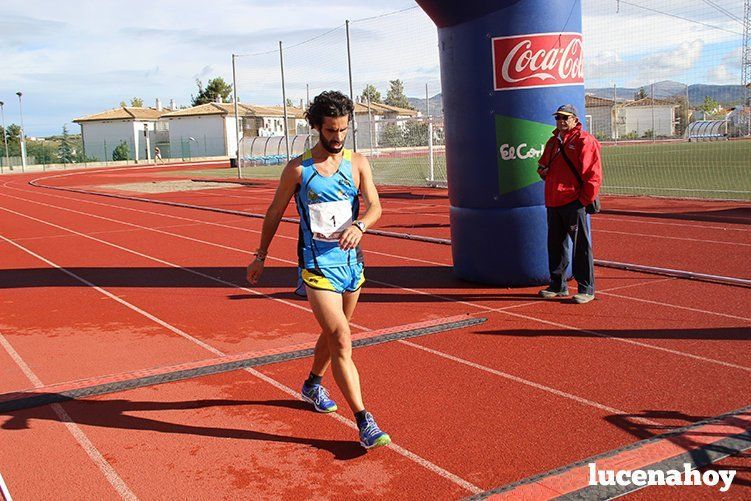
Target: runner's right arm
[(287, 185)]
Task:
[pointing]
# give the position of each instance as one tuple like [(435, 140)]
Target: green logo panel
[(519, 145)]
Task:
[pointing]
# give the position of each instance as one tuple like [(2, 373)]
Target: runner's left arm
[(351, 236)]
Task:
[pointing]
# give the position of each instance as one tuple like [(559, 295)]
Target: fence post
[(430, 149), (351, 91), (284, 99), (237, 117)]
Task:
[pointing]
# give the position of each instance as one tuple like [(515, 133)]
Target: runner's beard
[(327, 145)]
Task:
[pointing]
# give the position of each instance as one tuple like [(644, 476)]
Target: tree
[(216, 88), (370, 92), (136, 102), (395, 96), (392, 136), (13, 135), (416, 134), (709, 107), (121, 152), (290, 104), (640, 94), (123, 104), (65, 150)]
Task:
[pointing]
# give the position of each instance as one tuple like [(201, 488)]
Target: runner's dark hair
[(330, 103)]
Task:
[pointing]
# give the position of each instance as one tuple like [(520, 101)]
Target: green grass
[(720, 169)]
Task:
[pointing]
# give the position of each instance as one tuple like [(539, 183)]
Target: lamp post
[(5, 138), (23, 138)]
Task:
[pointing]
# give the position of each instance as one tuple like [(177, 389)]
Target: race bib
[(329, 219)]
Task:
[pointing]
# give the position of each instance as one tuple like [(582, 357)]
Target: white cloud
[(77, 57), (721, 75), (646, 69)]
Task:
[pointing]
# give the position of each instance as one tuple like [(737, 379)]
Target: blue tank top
[(327, 206)]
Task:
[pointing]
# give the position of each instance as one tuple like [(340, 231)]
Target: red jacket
[(561, 186)]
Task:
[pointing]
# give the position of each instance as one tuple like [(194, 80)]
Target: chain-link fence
[(652, 70)]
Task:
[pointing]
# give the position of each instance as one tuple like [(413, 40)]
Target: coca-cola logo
[(538, 60)]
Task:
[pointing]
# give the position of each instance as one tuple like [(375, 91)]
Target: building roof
[(292, 111), (648, 101), (594, 102), (124, 113), (382, 109), (228, 109)]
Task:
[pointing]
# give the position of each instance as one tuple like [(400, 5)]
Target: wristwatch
[(360, 225)]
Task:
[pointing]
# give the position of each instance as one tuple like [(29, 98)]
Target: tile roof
[(124, 113)]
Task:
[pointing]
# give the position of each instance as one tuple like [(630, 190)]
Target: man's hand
[(542, 171), (350, 238), (255, 269)]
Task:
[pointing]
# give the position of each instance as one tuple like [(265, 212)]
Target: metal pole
[(615, 116), (284, 100), (237, 117), (307, 105), (427, 102), (5, 139), (431, 160), (370, 123), (351, 91), (653, 112), (23, 138)]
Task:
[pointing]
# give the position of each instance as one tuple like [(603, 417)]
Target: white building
[(208, 130), (599, 114), (640, 116), (371, 118), (103, 132)]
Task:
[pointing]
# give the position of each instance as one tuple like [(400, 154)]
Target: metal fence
[(651, 68)]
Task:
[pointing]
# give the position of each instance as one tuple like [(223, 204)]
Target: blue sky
[(79, 57)]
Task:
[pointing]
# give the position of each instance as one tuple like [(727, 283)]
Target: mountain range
[(667, 89)]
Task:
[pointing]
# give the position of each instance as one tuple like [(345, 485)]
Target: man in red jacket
[(569, 152)]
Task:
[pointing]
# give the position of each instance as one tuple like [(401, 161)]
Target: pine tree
[(216, 88), (371, 92), (395, 96), (65, 150)]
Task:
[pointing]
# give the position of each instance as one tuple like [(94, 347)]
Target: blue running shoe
[(319, 397), (371, 435)]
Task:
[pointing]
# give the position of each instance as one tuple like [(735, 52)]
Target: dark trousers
[(564, 222)]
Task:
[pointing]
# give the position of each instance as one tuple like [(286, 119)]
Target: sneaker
[(582, 298), (371, 435), (319, 397), (551, 293)]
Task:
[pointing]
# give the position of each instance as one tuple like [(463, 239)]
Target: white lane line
[(687, 308), (527, 382), (693, 226), (572, 328), (467, 303), (152, 258), (105, 232), (665, 237), (630, 341), (86, 443), (198, 221), (104, 466), (116, 298), (400, 450), (4, 492)]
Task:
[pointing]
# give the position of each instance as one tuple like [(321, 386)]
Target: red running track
[(94, 286)]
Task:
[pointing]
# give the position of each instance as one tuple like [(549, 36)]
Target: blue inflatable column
[(505, 67)]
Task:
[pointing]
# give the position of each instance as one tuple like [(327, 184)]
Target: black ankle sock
[(313, 379), (360, 417)]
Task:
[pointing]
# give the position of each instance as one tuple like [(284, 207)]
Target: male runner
[(325, 182)]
